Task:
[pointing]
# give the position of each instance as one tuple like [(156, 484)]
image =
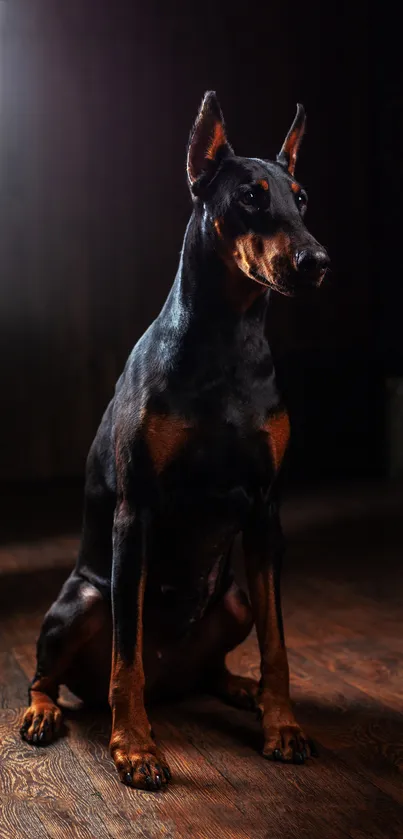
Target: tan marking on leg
[(129, 718), (137, 759), (131, 731), (283, 737)]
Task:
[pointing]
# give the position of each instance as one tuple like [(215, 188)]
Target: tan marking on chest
[(278, 429), (165, 436)]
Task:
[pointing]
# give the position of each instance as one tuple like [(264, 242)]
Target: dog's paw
[(42, 723), (284, 739), (289, 745), (141, 768)]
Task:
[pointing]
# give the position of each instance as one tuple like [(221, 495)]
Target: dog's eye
[(254, 198), (301, 200), (250, 198)]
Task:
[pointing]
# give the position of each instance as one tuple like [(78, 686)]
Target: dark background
[(97, 100)]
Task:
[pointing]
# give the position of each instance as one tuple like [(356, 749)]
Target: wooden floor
[(343, 593)]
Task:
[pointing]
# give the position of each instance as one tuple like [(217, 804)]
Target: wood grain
[(199, 792), (343, 627)]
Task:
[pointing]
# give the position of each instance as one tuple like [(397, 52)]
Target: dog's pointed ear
[(208, 143), (287, 157)]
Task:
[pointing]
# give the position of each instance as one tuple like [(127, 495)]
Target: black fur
[(204, 362)]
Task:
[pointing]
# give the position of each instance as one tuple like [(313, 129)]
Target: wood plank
[(350, 634), (18, 819), (198, 796), (370, 669), (345, 650), (313, 793), (50, 778), (365, 734)]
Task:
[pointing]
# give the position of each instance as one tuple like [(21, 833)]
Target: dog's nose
[(312, 261)]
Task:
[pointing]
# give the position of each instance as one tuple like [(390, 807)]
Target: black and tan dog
[(186, 457)]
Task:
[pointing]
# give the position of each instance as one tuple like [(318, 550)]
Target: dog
[(187, 456)]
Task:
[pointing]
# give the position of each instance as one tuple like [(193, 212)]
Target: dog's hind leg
[(75, 617), (224, 626), (229, 624)]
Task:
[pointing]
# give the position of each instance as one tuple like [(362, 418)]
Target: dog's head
[(254, 208)]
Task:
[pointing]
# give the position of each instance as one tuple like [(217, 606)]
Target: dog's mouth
[(289, 285), (277, 285)]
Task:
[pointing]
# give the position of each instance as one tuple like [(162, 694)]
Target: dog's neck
[(208, 293)]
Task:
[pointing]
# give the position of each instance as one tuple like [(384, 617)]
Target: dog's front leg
[(132, 747), (263, 548)]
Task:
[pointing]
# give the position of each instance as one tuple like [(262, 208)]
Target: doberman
[(187, 456)]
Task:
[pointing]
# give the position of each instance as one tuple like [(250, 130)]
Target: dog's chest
[(217, 458), (209, 485), (210, 472)]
